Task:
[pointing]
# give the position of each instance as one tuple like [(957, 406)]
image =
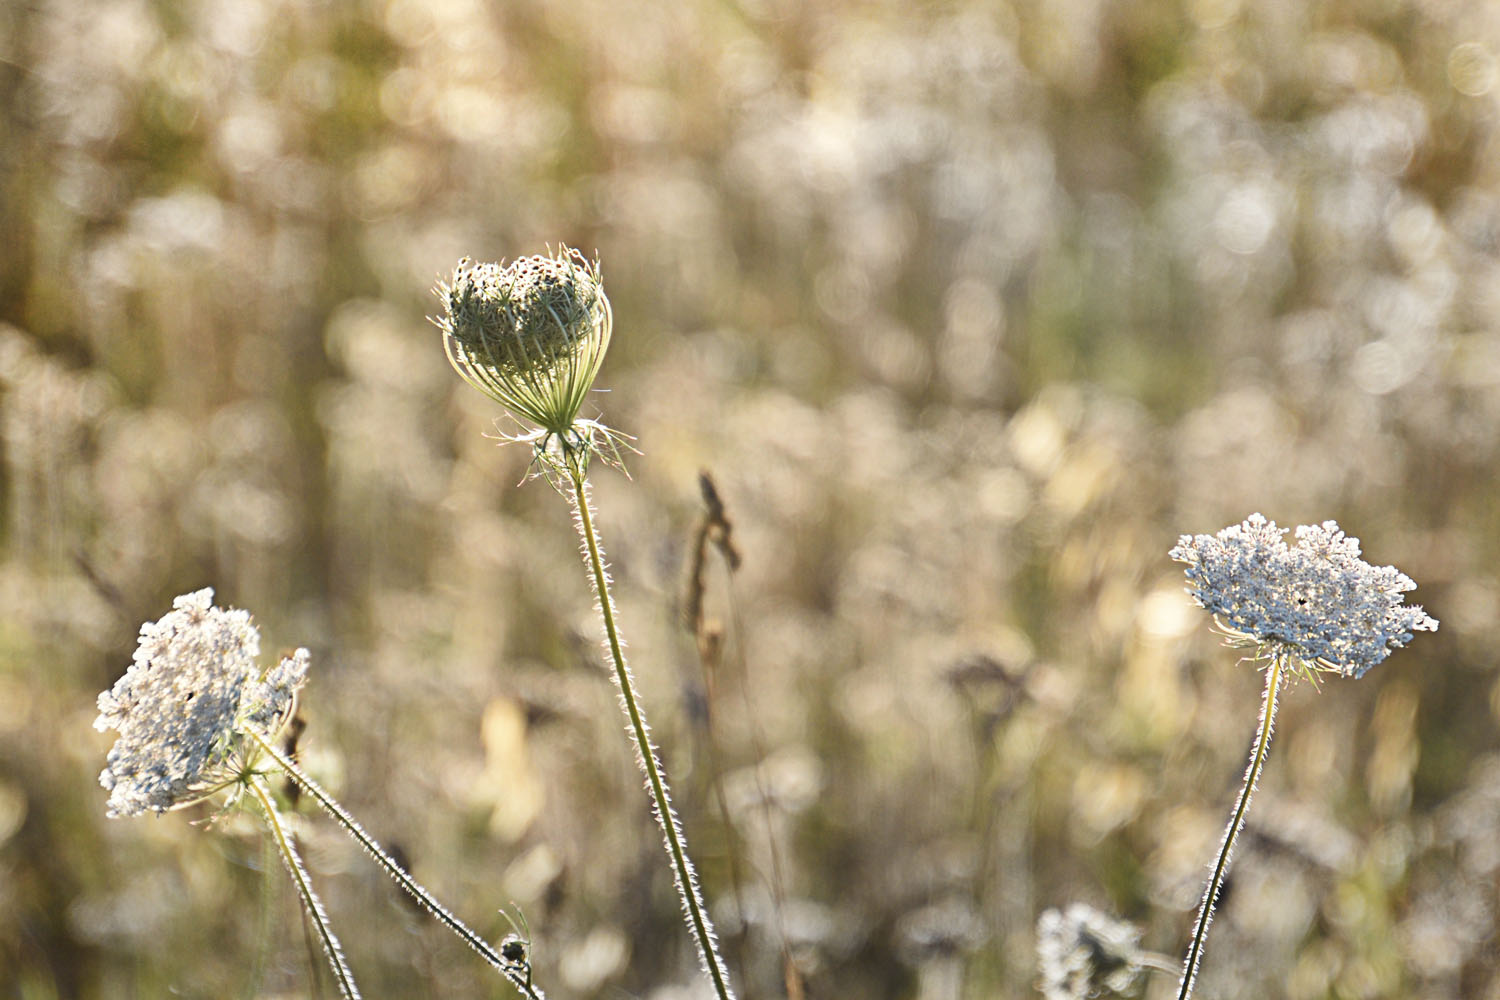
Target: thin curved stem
[(263, 920), (1258, 752), (519, 977), (310, 901), (694, 910)]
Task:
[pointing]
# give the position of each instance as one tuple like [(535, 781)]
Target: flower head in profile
[(1083, 953), (530, 335), (1316, 604), (185, 704)]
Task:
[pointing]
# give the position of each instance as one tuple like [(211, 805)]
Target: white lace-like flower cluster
[(1317, 602), (185, 703), (1082, 953)]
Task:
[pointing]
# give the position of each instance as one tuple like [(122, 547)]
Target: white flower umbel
[(532, 336), (196, 718), (1313, 608), (186, 704), (1318, 603), (193, 713)]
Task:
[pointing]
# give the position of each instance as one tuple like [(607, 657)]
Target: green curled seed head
[(530, 335)]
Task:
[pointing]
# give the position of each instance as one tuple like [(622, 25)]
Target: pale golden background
[(970, 308)]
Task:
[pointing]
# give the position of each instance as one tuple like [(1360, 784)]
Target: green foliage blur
[(968, 308)]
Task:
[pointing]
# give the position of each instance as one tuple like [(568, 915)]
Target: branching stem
[(425, 899)]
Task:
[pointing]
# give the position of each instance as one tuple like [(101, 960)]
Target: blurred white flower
[(1084, 953)]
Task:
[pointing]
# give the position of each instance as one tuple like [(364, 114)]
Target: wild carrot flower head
[(530, 335), (1317, 603), (1083, 953), (186, 702)]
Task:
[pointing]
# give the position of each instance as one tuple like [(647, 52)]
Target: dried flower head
[(1317, 604), (1083, 953), (186, 702), (530, 335)]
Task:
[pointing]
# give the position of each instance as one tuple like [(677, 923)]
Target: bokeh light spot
[(1472, 69)]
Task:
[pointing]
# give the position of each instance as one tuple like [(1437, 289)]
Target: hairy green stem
[(519, 976), (1258, 751), (694, 910), (310, 901)]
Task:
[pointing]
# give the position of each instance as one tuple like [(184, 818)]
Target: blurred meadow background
[(969, 309)]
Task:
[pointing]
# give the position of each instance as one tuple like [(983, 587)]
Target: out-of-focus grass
[(969, 308)]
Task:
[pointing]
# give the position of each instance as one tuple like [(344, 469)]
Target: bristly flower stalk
[(531, 336), (300, 879), (1313, 609), (396, 873)]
